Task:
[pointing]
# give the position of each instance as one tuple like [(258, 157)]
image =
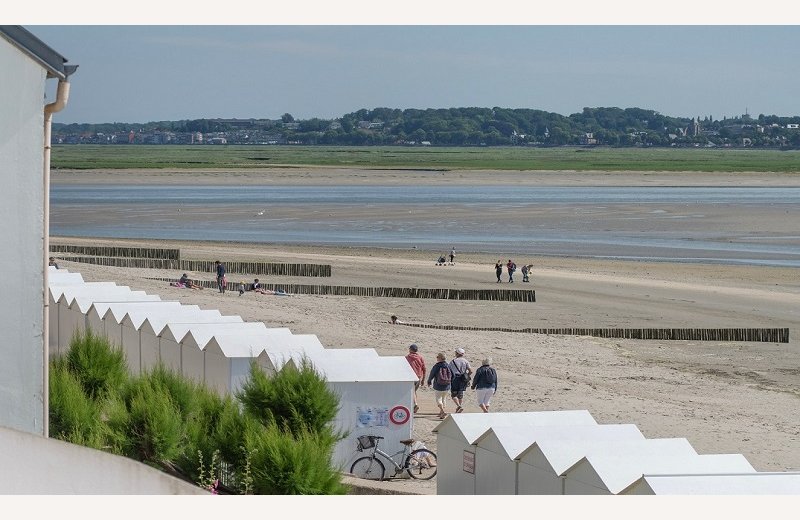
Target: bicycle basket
[(365, 442)]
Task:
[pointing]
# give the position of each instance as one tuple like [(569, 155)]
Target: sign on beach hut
[(457, 432), (609, 474), (497, 451), (767, 483), (541, 466)]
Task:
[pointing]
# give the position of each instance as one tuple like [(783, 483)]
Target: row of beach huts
[(376, 392), (521, 453)]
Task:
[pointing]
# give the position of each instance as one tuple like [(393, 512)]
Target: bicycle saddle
[(407, 442)]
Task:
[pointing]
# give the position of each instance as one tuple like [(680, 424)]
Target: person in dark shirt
[(221, 281)]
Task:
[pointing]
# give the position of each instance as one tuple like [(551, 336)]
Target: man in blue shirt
[(221, 282)]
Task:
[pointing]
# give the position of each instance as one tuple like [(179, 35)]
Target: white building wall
[(355, 396), (495, 472), (22, 90)]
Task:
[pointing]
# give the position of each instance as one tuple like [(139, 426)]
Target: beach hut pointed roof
[(516, 440), (342, 369), (203, 332), (761, 483), (57, 291), (268, 338), (155, 325), (61, 278), (618, 471), (135, 316), (232, 347), (467, 427), (84, 302), (117, 310)]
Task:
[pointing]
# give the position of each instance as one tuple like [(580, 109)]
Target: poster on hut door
[(367, 416)]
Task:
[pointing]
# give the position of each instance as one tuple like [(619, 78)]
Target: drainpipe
[(62, 94)]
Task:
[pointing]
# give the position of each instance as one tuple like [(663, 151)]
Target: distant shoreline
[(311, 175)]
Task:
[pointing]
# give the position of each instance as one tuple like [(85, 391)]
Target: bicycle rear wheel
[(421, 464), (368, 468)]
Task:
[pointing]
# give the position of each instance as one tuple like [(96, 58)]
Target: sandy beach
[(724, 397)]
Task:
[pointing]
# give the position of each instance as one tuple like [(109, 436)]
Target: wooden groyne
[(506, 295), (118, 252), (238, 268), (768, 335)]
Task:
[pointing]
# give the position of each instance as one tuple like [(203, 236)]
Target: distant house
[(588, 139), (793, 126)]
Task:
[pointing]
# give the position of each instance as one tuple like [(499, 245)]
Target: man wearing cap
[(418, 366), (462, 373)]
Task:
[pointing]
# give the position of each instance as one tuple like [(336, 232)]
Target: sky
[(158, 71)]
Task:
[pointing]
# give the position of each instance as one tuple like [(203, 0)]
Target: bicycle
[(419, 464)]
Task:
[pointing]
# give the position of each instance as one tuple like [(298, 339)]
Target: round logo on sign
[(399, 415)]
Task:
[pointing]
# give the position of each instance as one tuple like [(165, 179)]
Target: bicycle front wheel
[(368, 468), (421, 464)]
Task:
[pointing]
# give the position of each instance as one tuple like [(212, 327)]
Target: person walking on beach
[(498, 269), (511, 267), (461, 371), (453, 255), (485, 384), (418, 366), (524, 273), (221, 281), (440, 376)]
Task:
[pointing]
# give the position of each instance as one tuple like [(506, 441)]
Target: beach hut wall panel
[(609, 474), (151, 328), (540, 467), (226, 372), (497, 451), (766, 483), (454, 437), (199, 360), (375, 398)]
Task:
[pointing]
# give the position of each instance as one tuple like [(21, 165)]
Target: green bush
[(291, 463), (98, 366), (298, 400), (74, 417)]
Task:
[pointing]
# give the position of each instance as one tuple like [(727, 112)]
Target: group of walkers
[(453, 378), (511, 268)]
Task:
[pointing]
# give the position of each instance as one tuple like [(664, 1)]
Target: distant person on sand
[(53, 262), (511, 267), (461, 371), (498, 269), (453, 255), (186, 282), (485, 384), (440, 376), (442, 260), (418, 366), (394, 321), (221, 281), (524, 273), (242, 288)]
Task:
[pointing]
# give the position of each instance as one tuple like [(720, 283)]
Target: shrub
[(97, 365), (291, 463), (73, 416), (298, 400)]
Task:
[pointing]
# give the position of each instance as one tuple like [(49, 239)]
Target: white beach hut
[(497, 451), (455, 435), (541, 466), (151, 327), (75, 302), (56, 291), (609, 474), (375, 398), (767, 483), (226, 362)]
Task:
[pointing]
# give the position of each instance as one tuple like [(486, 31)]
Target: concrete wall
[(22, 235), (34, 465)]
